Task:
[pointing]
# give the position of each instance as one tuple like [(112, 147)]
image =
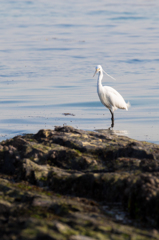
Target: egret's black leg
[(112, 118)]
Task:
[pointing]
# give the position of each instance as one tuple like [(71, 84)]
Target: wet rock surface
[(78, 185)]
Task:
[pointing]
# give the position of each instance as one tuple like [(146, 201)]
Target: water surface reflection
[(113, 131)]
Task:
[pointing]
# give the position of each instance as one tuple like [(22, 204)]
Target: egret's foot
[(112, 125)]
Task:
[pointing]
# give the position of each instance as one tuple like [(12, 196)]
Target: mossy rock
[(67, 183)]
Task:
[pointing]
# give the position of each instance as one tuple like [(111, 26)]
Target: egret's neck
[(99, 81)]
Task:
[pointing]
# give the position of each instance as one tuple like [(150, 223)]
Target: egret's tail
[(128, 105)]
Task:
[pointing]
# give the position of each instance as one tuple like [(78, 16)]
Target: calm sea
[(48, 54)]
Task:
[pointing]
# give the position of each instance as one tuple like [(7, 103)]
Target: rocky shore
[(78, 185)]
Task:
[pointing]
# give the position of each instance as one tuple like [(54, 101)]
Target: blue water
[(49, 51)]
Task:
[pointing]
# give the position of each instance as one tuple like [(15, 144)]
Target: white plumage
[(109, 96)]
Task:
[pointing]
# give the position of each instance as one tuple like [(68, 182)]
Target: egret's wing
[(114, 98)]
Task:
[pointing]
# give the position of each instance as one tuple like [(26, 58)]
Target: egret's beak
[(95, 72)]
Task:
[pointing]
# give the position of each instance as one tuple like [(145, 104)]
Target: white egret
[(108, 95)]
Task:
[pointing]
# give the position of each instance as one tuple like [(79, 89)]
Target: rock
[(56, 184), (80, 237)]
